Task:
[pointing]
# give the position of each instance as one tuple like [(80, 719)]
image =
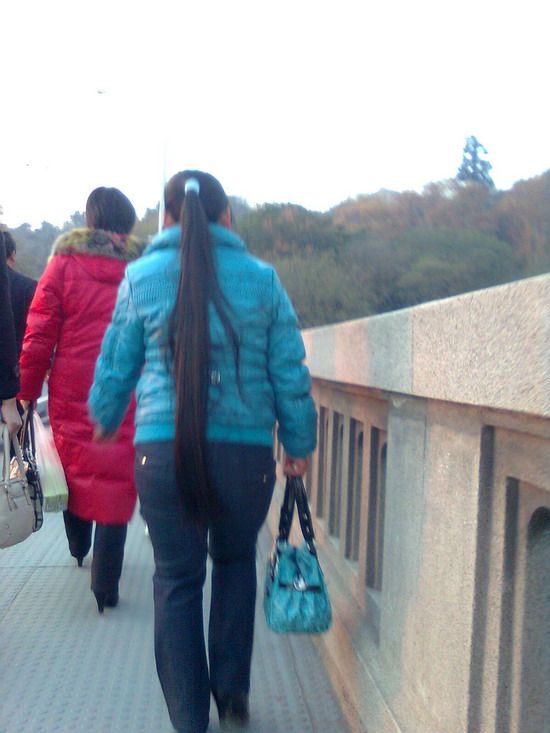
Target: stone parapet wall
[(430, 491), (488, 348)]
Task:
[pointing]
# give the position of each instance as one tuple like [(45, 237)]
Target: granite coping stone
[(489, 348)]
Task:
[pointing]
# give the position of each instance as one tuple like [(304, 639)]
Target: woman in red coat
[(68, 316)]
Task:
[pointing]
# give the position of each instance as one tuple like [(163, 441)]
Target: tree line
[(378, 252)]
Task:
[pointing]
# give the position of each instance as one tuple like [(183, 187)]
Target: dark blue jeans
[(242, 477)]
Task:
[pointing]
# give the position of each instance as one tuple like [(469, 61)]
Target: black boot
[(105, 600), (107, 563), (79, 535), (233, 710)]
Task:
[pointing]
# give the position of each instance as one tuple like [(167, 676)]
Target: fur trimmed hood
[(99, 243)]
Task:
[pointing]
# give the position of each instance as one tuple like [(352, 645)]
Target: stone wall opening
[(377, 500), (335, 493), (355, 490)]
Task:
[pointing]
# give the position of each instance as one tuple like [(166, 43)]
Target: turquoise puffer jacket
[(274, 383)]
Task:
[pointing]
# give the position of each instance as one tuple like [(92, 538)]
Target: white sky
[(307, 101)]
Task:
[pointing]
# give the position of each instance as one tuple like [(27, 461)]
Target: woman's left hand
[(100, 436), (10, 415), (294, 466)]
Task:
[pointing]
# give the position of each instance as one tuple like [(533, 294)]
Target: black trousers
[(108, 554), (242, 478)]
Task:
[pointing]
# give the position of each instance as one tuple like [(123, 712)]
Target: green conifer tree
[(474, 167)]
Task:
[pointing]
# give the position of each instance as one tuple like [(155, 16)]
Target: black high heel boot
[(79, 561), (100, 599), (109, 600), (233, 711)]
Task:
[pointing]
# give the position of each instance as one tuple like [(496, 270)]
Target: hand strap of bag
[(304, 514), (287, 511), (27, 439), (295, 493)]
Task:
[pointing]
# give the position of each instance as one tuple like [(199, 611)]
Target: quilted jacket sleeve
[(119, 364), (295, 409), (9, 384), (42, 332)]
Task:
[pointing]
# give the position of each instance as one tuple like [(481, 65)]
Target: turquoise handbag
[(296, 597)]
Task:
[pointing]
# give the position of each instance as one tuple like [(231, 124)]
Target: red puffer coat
[(68, 316)]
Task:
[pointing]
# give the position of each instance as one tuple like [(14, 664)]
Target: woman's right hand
[(294, 466), (10, 415)]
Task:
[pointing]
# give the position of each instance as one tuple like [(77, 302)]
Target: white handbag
[(17, 518)]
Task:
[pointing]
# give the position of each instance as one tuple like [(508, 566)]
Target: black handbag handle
[(295, 493), (287, 511), (27, 438), (28, 448)]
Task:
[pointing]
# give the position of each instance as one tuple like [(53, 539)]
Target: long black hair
[(195, 199)]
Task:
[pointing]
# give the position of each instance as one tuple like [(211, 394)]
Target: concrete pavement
[(66, 669)]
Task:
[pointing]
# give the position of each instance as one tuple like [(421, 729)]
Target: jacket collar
[(99, 243), (222, 236), (169, 238)]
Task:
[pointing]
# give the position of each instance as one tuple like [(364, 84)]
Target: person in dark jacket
[(9, 380), (69, 313), (208, 334), (21, 287)]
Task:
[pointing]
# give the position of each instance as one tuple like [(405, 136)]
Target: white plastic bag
[(52, 476)]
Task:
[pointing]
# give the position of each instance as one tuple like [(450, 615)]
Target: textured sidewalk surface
[(66, 669)]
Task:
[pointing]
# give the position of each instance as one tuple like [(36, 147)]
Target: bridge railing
[(430, 489)]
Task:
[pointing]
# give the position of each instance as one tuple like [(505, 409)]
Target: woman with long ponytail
[(198, 286), (208, 337)]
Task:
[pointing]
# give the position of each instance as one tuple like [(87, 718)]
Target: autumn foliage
[(382, 251)]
